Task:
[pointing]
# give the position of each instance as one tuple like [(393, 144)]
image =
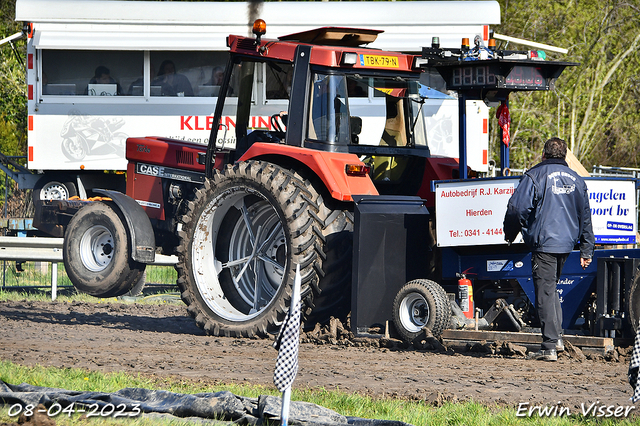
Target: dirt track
[(162, 340)]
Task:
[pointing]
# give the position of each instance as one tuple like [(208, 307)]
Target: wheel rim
[(54, 191), (414, 312), (257, 253), (96, 248)]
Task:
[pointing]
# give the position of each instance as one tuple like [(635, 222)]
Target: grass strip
[(417, 413), (44, 295)]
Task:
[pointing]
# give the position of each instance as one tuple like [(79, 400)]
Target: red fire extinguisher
[(465, 295)]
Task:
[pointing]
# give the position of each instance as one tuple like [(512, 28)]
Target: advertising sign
[(472, 212), (613, 210)]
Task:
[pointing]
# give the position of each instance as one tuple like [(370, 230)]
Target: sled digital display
[(501, 74)]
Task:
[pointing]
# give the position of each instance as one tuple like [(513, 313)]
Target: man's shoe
[(559, 346), (544, 355)]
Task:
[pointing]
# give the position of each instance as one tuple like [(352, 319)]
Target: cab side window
[(278, 80), (329, 110)]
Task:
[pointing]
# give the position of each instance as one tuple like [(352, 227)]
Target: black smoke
[(254, 7)]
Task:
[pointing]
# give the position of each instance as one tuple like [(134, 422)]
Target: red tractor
[(274, 189)]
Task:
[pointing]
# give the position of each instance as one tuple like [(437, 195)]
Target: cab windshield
[(392, 116)]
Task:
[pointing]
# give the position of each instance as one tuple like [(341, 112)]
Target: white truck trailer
[(98, 71)]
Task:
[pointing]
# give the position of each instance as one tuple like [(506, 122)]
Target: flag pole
[(286, 400)]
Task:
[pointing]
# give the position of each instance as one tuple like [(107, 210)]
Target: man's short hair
[(555, 148)]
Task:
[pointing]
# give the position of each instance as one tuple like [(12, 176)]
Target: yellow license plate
[(379, 61)]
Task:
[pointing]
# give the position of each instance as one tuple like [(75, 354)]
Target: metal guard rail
[(46, 249)]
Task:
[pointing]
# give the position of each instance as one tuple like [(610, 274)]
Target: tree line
[(595, 106)]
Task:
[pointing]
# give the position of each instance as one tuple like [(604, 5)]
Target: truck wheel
[(421, 303), (57, 187), (241, 239), (633, 302), (96, 251)]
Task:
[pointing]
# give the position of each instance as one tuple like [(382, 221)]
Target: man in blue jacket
[(550, 207)]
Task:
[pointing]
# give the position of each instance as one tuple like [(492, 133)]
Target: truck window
[(89, 73), (185, 74), (121, 73)]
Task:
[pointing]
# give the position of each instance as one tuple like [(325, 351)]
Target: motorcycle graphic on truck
[(85, 135)]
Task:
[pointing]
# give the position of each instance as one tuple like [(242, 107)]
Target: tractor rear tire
[(97, 253), (421, 303), (332, 286), (241, 239)]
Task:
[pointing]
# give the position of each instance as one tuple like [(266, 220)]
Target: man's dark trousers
[(546, 269)]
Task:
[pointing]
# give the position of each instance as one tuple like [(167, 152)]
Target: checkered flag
[(288, 341), (634, 366)]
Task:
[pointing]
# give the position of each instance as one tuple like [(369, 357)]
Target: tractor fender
[(143, 241), (330, 167)]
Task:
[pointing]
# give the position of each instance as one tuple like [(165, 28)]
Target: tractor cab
[(333, 95)]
